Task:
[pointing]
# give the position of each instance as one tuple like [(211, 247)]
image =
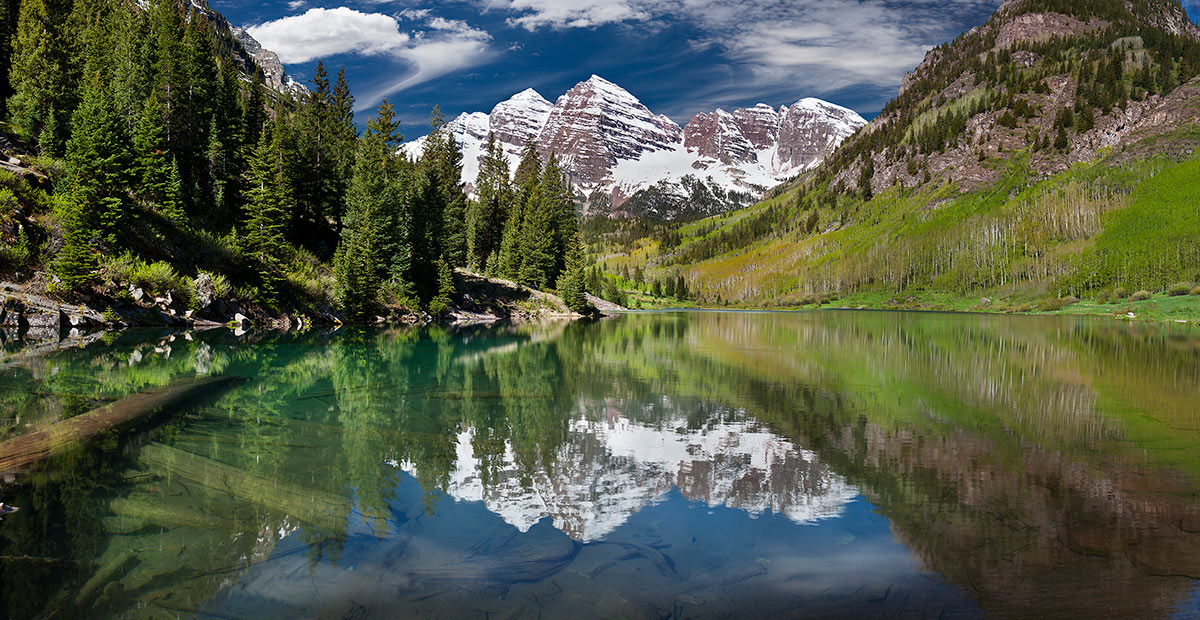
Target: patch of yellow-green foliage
[(1028, 243)]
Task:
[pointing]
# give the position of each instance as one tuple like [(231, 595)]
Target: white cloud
[(435, 47), (318, 33), (296, 4)]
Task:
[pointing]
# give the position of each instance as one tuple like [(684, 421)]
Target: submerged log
[(32, 447), (310, 505)]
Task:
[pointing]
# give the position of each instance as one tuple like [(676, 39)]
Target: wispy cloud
[(817, 45), (433, 47)]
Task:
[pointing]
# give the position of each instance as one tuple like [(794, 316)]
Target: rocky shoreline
[(37, 318)]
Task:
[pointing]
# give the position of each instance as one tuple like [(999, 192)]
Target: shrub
[(1102, 298), (1056, 304), (1120, 293), (1195, 291), (1179, 288), (156, 279), (1141, 296)]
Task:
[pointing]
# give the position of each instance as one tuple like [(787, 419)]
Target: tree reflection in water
[(691, 464)]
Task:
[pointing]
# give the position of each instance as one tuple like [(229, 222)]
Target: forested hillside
[(143, 160), (1046, 155)]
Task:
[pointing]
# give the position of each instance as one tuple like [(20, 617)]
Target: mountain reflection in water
[(656, 465)]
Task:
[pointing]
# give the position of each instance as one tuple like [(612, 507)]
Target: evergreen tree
[(254, 112), (538, 245), (557, 192), (424, 231), (8, 29), (445, 289), (1060, 141), (344, 138), (200, 81), (486, 216), (443, 155), (373, 219), (528, 198), (99, 158), (320, 186), (573, 281), (38, 75), (267, 205), (157, 171), (131, 67), (224, 152)]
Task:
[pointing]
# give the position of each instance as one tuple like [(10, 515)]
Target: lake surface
[(832, 464)]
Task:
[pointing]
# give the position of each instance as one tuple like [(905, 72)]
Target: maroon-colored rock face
[(760, 125), (597, 124), (717, 135)]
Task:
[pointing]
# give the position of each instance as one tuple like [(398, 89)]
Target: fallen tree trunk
[(36, 446), (309, 505)]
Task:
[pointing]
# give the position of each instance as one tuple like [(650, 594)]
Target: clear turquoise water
[(647, 466)]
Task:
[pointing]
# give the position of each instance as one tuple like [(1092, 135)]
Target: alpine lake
[(650, 465)]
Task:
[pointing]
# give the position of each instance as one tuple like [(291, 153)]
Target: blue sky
[(680, 57)]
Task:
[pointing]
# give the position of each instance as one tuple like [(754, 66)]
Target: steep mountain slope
[(628, 161), (1044, 153), (247, 51)]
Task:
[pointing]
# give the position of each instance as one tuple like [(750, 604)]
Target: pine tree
[(865, 178), (157, 171), (511, 254), (424, 231), (373, 248), (487, 215), (99, 158), (319, 187), (38, 76), (131, 66), (557, 191), (538, 245), (8, 29), (344, 140), (1061, 142), (445, 289), (527, 199), (443, 154), (267, 206), (572, 282)]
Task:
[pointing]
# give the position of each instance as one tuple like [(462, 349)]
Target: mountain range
[(1047, 155), (616, 150)]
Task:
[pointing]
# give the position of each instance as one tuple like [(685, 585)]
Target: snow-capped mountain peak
[(611, 143)]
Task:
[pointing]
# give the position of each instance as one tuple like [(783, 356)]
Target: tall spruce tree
[(424, 230), (38, 75), (528, 197), (573, 281), (371, 250), (444, 156), (157, 170), (487, 215), (98, 164), (8, 29), (320, 188), (267, 205), (557, 191)]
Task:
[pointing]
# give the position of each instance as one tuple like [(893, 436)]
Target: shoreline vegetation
[(150, 179)]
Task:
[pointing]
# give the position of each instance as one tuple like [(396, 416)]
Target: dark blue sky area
[(680, 57)]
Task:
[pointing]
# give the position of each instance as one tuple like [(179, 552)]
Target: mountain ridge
[(1040, 157), (615, 148)]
